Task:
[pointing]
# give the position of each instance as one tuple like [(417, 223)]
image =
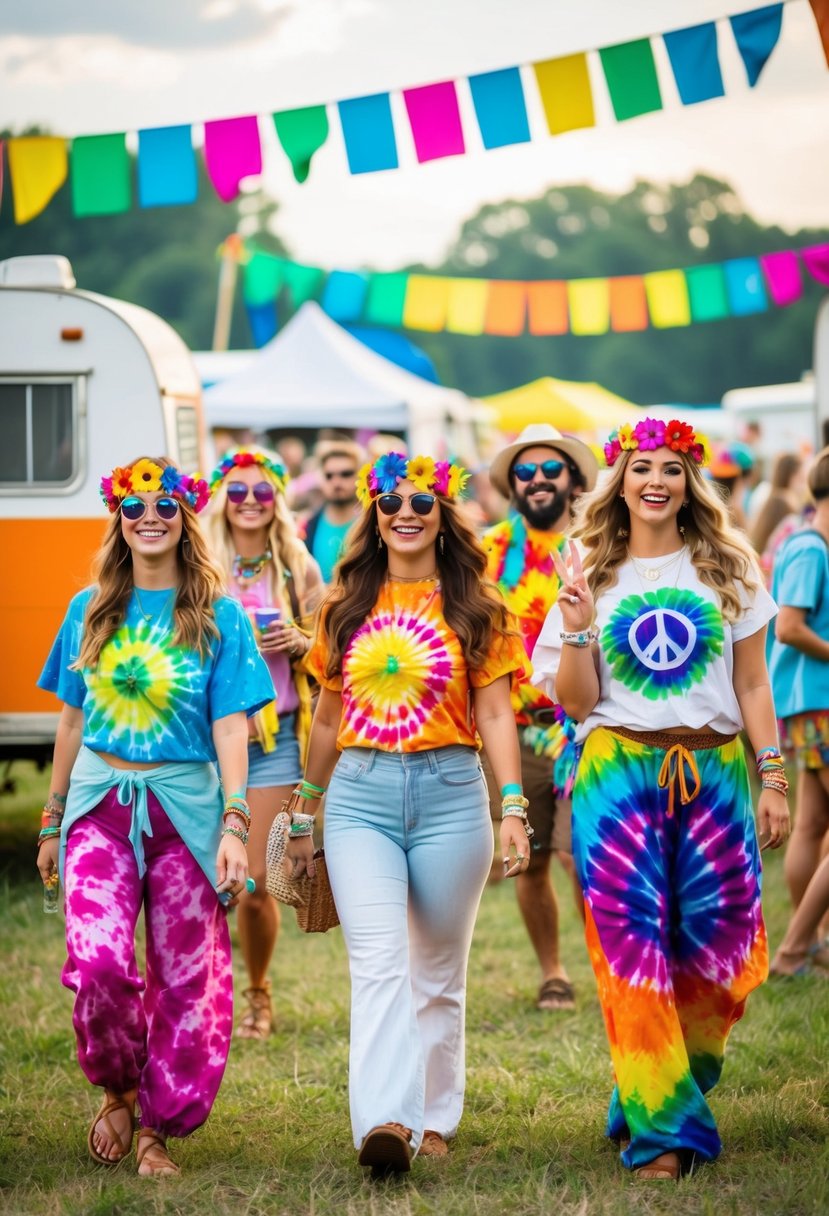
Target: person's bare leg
[(811, 821), (120, 1120), (567, 864), (258, 912), (793, 951)]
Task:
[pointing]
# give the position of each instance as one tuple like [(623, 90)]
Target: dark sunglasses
[(343, 473), (263, 492), (390, 504), (550, 468), (134, 508)]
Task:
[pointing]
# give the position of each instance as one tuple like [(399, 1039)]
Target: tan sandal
[(387, 1149), (664, 1168), (153, 1159), (257, 1023), (433, 1144), (108, 1107)]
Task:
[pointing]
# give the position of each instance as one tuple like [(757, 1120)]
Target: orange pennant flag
[(38, 165), (547, 301), (506, 308), (628, 304)]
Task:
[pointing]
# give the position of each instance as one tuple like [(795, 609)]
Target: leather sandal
[(386, 1149), (152, 1154), (257, 1023), (556, 993), (108, 1106), (667, 1167), (433, 1144)]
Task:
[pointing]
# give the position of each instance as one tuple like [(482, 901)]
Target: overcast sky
[(110, 65)]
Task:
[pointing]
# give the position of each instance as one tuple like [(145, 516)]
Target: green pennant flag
[(706, 292), (630, 73), (263, 278), (301, 133), (100, 170), (303, 282), (386, 299)]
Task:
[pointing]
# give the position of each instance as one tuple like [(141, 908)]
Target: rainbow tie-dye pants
[(674, 930)]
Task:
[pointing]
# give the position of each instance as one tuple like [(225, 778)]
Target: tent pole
[(228, 271)]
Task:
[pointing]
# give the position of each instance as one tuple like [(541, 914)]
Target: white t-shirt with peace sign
[(666, 654)]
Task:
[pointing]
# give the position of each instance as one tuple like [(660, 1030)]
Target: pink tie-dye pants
[(168, 1035)]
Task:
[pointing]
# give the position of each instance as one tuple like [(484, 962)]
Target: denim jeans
[(408, 844)]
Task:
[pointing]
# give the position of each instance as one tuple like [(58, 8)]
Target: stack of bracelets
[(770, 770), (302, 824), (236, 805), (514, 803), (51, 818)]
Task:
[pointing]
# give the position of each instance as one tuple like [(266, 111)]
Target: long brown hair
[(472, 606), (720, 553), (200, 585)]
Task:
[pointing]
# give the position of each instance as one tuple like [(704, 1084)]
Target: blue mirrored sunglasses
[(550, 468)]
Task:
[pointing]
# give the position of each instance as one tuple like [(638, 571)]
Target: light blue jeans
[(408, 843)]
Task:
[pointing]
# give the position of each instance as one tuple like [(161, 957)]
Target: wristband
[(578, 637), (513, 787)]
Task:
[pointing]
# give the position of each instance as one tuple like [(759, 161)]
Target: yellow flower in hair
[(420, 471), (626, 437), (458, 477), (146, 477), (707, 454), (362, 488)]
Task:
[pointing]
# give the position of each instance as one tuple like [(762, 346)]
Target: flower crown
[(427, 475), (652, 433), (243, 459), (147, 477)]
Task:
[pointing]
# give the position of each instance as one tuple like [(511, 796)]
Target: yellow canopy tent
[(569, 405)]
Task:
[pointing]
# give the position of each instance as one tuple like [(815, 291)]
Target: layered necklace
[(425, 578), (245, 569), (152, 617), (654, 573)]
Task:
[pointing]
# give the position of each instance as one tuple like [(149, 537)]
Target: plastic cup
[(265, 617), (51, 892)]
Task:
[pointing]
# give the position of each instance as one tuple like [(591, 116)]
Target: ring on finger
[(574, 599)]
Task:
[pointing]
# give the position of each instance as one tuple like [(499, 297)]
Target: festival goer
[(414, 653), (542, 473), (157, 670), (799, 666), (730, 468), (656, 647), (325, 531), (269, 570), (799, 953)]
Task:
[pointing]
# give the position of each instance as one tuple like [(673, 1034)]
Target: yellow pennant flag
[(466, 306), (564, 85), (38, 165), (427, 303), (589, 301), (667, 292)]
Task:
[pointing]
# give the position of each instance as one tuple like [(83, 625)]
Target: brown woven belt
[(661, 738), (679, 756)]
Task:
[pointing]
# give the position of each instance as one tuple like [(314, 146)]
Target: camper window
[(39, 433)]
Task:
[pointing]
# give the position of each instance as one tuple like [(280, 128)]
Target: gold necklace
[(681, 555), (426, 578), (652, 573), (149, 616)]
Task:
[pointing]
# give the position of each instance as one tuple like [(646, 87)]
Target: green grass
[(279, 1138)]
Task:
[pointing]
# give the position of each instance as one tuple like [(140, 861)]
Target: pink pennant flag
[(783, 278), (232, 151), (435, 121), (816, 261)]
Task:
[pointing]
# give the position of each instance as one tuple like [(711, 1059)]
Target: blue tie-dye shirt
[(148, 700)]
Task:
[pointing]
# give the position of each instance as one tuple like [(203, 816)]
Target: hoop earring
[(441, 545)]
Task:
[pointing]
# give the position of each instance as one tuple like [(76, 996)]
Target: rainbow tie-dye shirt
[(405, 684)]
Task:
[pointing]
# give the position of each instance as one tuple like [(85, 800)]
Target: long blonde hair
[(289, 555), (720, 554), (200, 585)]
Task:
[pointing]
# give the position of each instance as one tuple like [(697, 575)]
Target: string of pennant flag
[(621, 304), (100, 167)]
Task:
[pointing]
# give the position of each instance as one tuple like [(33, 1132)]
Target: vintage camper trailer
[(86, 382)]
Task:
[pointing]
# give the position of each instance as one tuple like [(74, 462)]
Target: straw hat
[(541, 434)]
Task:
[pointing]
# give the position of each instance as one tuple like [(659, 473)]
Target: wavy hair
[(200, 585), (290, 557), (472, 605), (721, 555)]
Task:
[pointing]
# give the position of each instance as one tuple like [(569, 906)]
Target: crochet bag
[(313, 899)]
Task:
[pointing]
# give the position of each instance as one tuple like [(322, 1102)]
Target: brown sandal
[(108, 1106), (152, 1151), (257, 1023), (386, 1149), (556, 993), (667, 1167), (433, 1144)]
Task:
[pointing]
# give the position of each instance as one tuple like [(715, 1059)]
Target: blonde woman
[(656, 647), (157, 670), (270, 572)]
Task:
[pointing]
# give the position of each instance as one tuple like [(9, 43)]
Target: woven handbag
[(318, 912)]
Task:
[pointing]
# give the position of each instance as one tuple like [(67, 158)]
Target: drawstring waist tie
[(679, 759)]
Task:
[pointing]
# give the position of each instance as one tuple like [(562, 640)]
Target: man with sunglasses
[(326, 530), (541, 473)]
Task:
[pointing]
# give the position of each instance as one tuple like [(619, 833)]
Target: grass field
[(279, 1138)]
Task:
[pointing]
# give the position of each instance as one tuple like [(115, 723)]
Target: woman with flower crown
[(656, 647), (157, 670), (414, 652), (271, 573)]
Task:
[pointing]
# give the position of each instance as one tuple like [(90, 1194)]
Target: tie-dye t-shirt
[(666, 653), (150, 701), (405, 683)]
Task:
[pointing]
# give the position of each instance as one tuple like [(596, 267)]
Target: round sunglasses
[(390, 504), (263, 492), (135, 508), (550, 468)]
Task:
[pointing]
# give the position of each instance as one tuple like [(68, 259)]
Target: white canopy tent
[(315, 374)]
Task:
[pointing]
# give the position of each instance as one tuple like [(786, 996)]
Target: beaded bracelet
[(239, 833), (237, 801), (239, 813), (775, 781), (578, 637), (47, 834), (50, 819)]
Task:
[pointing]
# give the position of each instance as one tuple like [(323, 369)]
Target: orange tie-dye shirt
[(405, 684)]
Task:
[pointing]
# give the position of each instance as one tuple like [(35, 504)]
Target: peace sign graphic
[(662, 639), (661, 644)]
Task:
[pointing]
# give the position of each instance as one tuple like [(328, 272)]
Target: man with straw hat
[(541, 473)]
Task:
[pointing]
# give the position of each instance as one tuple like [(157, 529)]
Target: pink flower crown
[(243, 459), (147, 477), (427, 475), (652, 433)]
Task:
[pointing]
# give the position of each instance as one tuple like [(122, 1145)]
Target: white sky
[(109, 65)]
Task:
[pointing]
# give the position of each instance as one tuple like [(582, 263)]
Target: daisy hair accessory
[(653, 433), (244, 459), (147, 477), (427, 475)]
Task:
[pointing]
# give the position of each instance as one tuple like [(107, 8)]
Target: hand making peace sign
[(574, 597)]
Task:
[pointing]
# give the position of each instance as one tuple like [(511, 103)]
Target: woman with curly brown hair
[(656, 647), (414, 652), (157, 671)]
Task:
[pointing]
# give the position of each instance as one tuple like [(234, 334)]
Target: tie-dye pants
[(674, 931), (169, 1036)]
